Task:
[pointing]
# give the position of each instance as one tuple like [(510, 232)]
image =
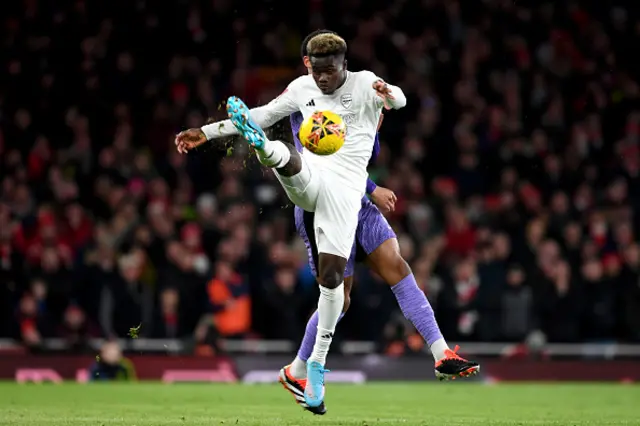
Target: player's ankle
[(273, 154), (439, 349), (298, 368)]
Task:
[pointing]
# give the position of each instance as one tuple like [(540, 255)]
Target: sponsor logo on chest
[(349, 118)]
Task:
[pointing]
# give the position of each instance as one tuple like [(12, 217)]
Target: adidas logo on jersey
[(311, 103)]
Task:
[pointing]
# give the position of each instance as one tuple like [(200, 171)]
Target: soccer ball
[(323, 132)]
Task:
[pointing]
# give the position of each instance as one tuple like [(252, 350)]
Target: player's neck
[(344, 80)]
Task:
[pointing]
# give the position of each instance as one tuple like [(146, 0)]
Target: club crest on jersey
[(346, 100)]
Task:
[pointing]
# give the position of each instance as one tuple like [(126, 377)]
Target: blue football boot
[(239, 115), (314, 391)]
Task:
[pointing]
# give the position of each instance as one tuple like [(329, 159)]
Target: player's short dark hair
[(303, 46), (328, 44)]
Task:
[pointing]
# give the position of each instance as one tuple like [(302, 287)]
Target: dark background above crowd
[(516, 165)]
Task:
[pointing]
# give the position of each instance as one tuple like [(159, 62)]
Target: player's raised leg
[(290, 168), (275, 154)]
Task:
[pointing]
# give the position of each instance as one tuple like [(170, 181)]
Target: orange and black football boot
[(453, 366), (296, 388)]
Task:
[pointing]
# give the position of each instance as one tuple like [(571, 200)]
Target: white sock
[(329, 309), (273, 154), (438, 349), (298, 369)]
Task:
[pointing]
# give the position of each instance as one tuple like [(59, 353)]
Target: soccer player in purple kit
[(376, 243)]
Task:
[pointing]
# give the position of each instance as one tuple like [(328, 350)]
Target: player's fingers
[(394, 197)]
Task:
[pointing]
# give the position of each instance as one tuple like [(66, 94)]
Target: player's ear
[(344, 64), (307, 62)]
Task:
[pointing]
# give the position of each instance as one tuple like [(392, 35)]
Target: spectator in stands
[(516, 167), (630, 278), (600, 301), (230, 302), (561, 305), (110, 365), (285, 302), (34, 322), (169, 324), (517, 306), (492, 272), (461, 237), (126, 301), (77, 329)]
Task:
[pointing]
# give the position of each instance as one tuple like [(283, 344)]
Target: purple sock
[(309, 339), (417, 309)]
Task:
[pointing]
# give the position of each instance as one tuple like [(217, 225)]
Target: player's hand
[(189, 139), (384, 92), (384, 198)]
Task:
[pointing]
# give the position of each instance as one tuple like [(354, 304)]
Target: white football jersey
[(355, 101), (360, 108)]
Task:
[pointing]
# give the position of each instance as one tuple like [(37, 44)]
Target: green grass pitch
[(155, 404)]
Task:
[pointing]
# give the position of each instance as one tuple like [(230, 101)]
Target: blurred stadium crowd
[(516, 165)]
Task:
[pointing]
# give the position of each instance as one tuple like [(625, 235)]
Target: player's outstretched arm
[(392, 96), (265, 116)]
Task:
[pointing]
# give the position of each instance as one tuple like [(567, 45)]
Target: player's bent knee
[(293, 166), (331, 270), (331, 277)]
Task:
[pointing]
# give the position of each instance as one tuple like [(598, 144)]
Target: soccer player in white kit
[(331, 186)]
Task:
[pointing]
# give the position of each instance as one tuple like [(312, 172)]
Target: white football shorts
[(336, 207)]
